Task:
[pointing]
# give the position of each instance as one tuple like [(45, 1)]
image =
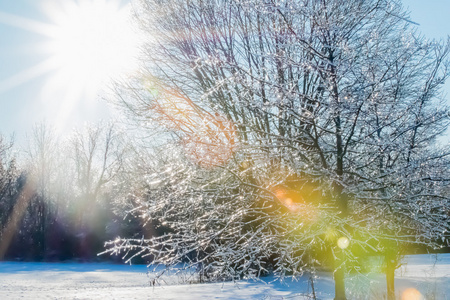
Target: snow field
[(427, 274)]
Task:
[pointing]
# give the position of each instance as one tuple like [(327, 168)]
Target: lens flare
[(208, 138), (412, 294), (343, 242), (10, 229)]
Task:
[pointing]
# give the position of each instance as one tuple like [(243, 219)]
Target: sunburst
[(87, 44)]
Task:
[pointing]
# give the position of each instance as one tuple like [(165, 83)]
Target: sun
[(90, 43), (85, 46)]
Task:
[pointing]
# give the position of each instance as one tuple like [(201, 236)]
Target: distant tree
[(9, 173), (98, 153), (58, 204), (303, 128), (40, 180), (8, 176)]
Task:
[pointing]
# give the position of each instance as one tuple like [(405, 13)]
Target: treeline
[(61, 199)]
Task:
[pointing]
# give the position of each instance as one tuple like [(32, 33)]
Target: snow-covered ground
[(427, 274)]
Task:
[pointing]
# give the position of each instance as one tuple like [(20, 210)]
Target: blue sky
[(21, 105)]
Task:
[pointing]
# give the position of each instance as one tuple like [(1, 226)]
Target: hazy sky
[(24, 102)]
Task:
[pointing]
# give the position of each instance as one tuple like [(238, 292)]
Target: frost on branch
[(328, 115), (228, 224)]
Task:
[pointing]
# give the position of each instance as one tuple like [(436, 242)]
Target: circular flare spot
[(412, 294), (343, 242)]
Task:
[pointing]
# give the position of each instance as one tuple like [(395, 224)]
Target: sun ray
[(26, 75), (25, 23), (86, 44)]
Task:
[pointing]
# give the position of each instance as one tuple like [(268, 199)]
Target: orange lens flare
[(294, 201), (212, 143), (208, 139), (412, 294)]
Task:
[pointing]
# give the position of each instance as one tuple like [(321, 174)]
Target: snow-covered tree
[(303, 128)]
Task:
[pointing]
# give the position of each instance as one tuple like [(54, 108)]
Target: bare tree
[(8, 176), (331, 112), (41, 165), (98, 154), (9, 210)]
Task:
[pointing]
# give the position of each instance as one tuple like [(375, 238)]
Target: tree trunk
[(391, 264), (339, 277), (390, 283), (341, 199)]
